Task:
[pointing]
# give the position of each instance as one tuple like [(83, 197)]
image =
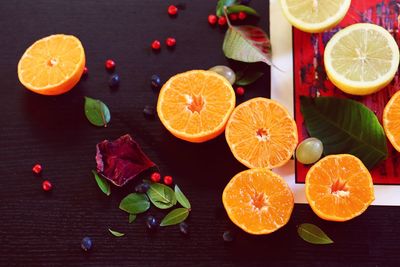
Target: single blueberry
[(114, 81), (155, 81), (228, 236), (86, 243), (184, 228), (142, 188), (149, 111), (151, 222)]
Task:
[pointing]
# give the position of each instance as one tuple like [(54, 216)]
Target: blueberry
[(86, 243), (245, 2), (114, 81), (149, 111), (142, 188), (155, 81), (228, 236), (184, 228), (151, 222)]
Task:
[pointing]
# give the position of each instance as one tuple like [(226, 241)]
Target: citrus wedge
[(361, 59), (195, 105), (339, 187), (315, 15), (391, 120), (52, 65), (258, 201), (261, 133)]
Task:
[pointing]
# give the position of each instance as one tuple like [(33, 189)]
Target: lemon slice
[(361, 59), (315, 15)]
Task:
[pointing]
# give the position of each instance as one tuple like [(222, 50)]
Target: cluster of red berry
[(170, 41), (156, 177), (46, 185), (213, 19)]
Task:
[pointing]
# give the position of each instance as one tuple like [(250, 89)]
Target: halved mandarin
[(391, 120), (258, 201), (52, 65), (339, 187), (195, 105), (261, 133)]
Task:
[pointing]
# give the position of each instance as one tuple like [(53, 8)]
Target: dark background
[(38, 228)]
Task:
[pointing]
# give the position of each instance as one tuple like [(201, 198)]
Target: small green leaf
[(115, 233), (181, 198), (242, 8), (135, 203), (247, 44), (222, 3), (132, 218), (345, 126), (175, 216), (162, 196), (102, 183), (313, 234), (248, 78), (97, 112)]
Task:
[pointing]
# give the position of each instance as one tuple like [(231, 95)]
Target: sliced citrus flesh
[(258, 201), (361, 59), (52, 65), (339, 187), (195, 105), (261, 133), (315, 15), (391, 120)]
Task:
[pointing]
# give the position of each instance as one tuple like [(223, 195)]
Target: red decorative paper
[(310, 78)]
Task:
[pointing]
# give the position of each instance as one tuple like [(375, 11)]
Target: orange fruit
[(391, 120), (195, 105), (258, 201), (261, 133), (52, 65), (339, 187)]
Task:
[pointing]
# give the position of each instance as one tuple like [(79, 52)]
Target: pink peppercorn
[(240, 91), (170, 42), (172, 10), (221, 21), (47, 186), (37, 169), (242, 15), (110, 64), (168, 180), (212, 19), (156, 45), (155, 177)]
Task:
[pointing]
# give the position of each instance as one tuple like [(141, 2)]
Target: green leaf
[(222, 3), (135, 203), (313, 234), (102, 183), (115, 233), (242, 8), (181, 198), (345, 126), (132, 218), (175, 216), (247, 78), (162, 196), (247, 44), (97, 112)]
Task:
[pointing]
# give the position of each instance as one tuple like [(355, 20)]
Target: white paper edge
[(282, 91)]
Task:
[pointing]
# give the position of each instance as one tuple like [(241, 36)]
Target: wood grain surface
[(45, 229)]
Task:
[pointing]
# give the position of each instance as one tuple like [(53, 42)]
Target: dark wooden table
[(38, 228)]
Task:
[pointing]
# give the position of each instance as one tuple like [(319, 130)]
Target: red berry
[(233, 16), (172, 10), (46, 185), (242, 15), (170, 42), (156, 45), (37, 169), (168, 180), (85, 70), (221, 21), (155, 177), (240, 91), (110, 65), (212, 19)]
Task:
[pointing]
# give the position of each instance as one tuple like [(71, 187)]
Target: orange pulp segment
[(391, 120)]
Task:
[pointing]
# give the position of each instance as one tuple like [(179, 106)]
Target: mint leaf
[(247, 78), (162, 196), (181, 198), (175, 216), (222, 3), (242, 8), (102, 183), (116, 233), (313, 234), (97, 112), (135, 203), (132, 218)]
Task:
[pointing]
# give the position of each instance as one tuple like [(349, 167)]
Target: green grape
[(309, 151), (225, 71)]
